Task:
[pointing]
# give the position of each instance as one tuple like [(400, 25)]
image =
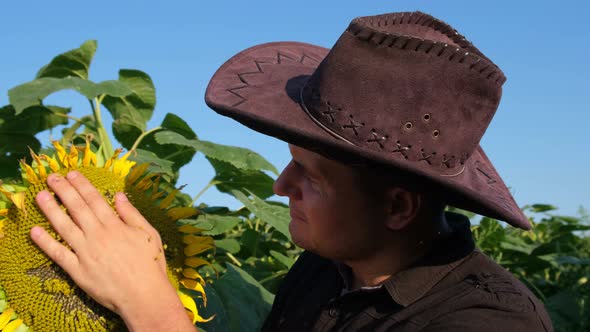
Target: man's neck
[(402, 251)]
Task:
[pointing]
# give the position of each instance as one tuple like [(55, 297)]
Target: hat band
[(318, 122)]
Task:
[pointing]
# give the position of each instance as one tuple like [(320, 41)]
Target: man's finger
[(128, 213), (60, 221), (77, 208), (55, 250), (99, 206)]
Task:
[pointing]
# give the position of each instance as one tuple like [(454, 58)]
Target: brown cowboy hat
[(401, 90)]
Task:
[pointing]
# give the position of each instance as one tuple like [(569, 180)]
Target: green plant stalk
[(142, 136), (105, 142), (209, 185), (234, 259), (274, 276)]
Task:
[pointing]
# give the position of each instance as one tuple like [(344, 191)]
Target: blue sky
[(538, 140)]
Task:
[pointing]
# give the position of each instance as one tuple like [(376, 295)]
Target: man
[(384, 130)]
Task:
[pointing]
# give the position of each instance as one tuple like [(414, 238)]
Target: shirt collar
[(409, 285)]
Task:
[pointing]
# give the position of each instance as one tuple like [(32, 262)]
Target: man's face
[(334, 213)]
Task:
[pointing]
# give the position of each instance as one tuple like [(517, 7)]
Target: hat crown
[(406, 84)]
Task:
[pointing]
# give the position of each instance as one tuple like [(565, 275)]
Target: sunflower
[(35, 292)]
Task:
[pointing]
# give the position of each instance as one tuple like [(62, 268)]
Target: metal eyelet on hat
[(426, 117), (436, 133), (408, 126)]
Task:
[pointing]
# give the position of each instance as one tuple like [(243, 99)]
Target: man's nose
[(286, 185)]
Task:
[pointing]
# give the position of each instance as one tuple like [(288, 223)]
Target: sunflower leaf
[(179, 154), (131, 111), (275, 215), (287, 261), (215, 224), (75, 62), (229, 178), (33, 92), (242, 158), (245, 300), (230, 245), (32, 120), (157, 165)]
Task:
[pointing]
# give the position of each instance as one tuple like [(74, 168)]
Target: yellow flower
[(39, 293)]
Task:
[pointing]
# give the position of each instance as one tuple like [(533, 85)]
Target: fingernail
[(36, 232), (44, 196), (121, 197), (54, 177), (72, 175)]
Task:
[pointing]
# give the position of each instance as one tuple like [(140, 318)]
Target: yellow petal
[(146, 182), (12, 326), (190, 305), (196, 286), (181, 212), (190, 239), (40, 167), (73, 157), (188, 229), (5, 317), (31, 175), (136, 172), (19, 199), (113, 158), (156, 195), (3, 212), (122, 166), (89, 156), (61, 153), (51, 161), (193, 274), (197, 248), (165, 203), (194, 262)]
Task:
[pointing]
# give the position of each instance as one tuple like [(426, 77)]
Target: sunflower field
[(225, 263)]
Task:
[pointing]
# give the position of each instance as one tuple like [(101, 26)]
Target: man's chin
[(297, 231)]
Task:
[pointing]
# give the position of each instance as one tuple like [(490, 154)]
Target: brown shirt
[(455, 288)]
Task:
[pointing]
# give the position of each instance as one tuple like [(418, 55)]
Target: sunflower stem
[(234, 259), (209, 185), (100, 129), (142, 136), (276, 275), (67, 116)]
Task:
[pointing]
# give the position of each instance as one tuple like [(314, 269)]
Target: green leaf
[(157, 165), (537, 208), (215, 224), (563, 308), (230, 245), (250, 241), (15, 146), (287, 261), (239, 157), (274, 215), (33, 92), (228, 178), (176, 124), (179, 154), (214, 307), (132, 111), (75, 62), (246, 302), (32, 120)]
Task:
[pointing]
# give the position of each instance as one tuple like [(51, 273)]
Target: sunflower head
[(38, 290)]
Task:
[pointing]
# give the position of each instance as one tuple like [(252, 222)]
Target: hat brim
[(260, 88)]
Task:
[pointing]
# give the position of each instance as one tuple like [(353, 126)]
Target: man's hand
[(117, 259)]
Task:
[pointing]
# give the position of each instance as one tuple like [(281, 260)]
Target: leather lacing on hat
[(374, 29)]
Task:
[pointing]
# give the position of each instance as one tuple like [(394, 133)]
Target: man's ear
[(403, 206)]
